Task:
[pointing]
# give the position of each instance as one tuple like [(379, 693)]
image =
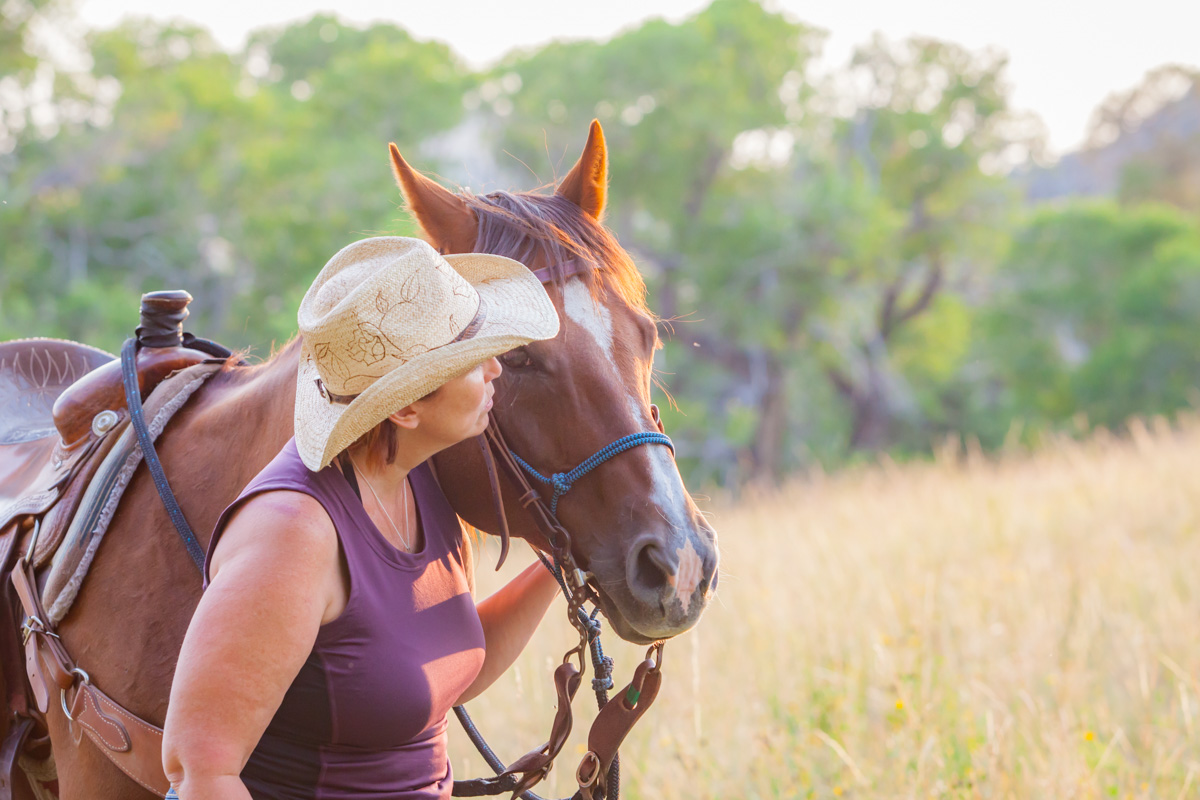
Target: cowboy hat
[(388, 320)]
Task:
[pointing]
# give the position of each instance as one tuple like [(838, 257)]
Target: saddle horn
[(162, 317)]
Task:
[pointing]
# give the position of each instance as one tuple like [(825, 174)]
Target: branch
[(929, 289), (887, 312), (841, 381)]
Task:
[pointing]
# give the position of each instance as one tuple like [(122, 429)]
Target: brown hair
[(380, 443)]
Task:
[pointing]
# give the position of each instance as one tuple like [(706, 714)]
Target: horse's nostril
[(651, 572)]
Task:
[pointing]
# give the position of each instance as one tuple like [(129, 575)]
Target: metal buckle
[(30, 626), (62, 693), (590, 762), (33, 625)]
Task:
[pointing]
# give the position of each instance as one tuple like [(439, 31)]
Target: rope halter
[(563, 481)]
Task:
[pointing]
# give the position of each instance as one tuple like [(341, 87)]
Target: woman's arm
[(509, 618), (275, 578)]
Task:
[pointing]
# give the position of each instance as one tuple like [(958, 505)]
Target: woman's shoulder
[(284, 489), (274, 526)]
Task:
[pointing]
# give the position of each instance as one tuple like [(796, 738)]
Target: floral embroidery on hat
[(367, 346)]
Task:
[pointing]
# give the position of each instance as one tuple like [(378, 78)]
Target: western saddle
[(62, 408)]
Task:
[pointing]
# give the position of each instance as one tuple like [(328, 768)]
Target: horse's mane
[(524, 225), (245, 367)]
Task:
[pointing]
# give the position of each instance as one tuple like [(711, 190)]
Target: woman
[(337, 626)]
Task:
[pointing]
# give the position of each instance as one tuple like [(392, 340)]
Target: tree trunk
[(771, 433), (872, 422)]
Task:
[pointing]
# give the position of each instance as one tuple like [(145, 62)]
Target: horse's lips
[(623, 627)]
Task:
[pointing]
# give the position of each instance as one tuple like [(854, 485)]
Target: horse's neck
[(259, 400)]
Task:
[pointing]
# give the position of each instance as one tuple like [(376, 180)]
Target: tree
[(225, 174), (677, 101), (812, 222), (929, 125), (1096, 314)]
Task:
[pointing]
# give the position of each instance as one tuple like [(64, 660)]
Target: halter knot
[(561, 483)]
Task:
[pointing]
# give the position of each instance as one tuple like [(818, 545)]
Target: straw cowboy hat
[(389, 320)]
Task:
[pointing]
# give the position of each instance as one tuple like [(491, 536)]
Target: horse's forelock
[(524, 225)]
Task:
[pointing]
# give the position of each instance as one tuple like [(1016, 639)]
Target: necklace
[(401, 536)]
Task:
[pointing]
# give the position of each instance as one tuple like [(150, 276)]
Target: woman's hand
[(275, 578)]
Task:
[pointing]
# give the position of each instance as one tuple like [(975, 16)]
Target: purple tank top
[(366, 715)]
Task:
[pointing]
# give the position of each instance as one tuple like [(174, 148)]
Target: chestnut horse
[(633, 526)]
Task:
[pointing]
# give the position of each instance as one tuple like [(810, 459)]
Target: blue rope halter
[(563, 481)]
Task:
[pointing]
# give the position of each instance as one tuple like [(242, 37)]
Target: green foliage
[(230, 181), (1097, 315), (837, 257), (17, 55)]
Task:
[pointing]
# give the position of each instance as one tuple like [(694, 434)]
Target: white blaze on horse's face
[(668, 496), (594, 318)]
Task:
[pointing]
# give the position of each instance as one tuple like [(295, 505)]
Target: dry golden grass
[(1020, 627)]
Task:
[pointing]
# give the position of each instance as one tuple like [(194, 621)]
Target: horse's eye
[(517, 359)]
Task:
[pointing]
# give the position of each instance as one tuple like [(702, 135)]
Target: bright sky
[(1065, 56)]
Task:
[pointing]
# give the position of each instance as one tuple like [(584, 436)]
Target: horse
[(648, 553)]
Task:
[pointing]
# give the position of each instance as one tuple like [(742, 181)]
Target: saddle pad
[(99, 504), (33, 373)]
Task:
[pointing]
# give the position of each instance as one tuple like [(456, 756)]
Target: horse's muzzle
[(667, 582)]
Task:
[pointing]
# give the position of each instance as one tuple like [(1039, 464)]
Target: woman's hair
[(380, 443)]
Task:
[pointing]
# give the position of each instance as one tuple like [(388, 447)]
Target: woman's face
[(459, 409)]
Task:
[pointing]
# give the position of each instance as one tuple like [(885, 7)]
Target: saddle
[(34, 373), (62, 409)]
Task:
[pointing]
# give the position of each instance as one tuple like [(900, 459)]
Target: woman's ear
[(406, 417)]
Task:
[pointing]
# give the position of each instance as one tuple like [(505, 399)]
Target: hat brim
[(518, 311)]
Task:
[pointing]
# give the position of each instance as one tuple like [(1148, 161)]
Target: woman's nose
[(492, 369)]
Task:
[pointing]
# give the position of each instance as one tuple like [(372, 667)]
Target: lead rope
[(602, 667)]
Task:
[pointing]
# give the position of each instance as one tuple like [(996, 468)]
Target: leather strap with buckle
[(131, 743)]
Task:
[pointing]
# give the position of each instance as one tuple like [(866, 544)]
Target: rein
[(137, 420)]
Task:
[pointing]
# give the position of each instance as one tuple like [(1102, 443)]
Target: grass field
[(1026, 626)]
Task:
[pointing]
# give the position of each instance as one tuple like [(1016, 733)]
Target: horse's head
[(633, 526)]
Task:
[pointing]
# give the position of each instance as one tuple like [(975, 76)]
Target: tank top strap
[(286, 472)]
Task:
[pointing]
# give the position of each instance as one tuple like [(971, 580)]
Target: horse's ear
[(586, 185), (448, 222)]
